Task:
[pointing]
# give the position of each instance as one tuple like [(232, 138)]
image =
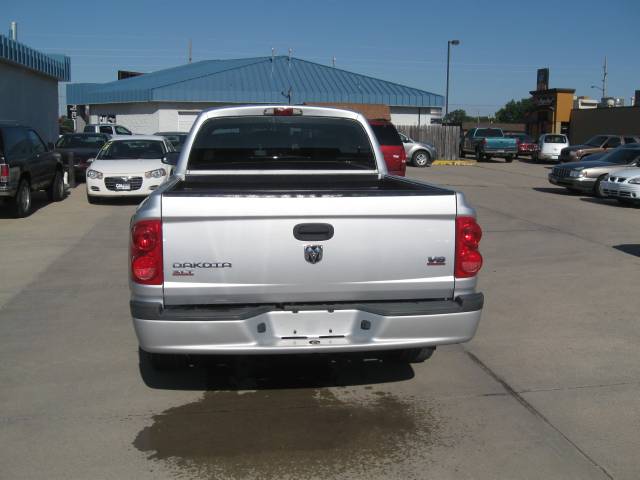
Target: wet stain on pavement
[(306, 432)]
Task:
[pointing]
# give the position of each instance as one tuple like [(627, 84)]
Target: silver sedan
[(418, 153)]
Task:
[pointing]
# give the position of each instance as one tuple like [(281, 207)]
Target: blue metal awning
[(253, 80), (56, 66)]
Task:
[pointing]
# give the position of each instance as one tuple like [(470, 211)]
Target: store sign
[(72, 111), (542, 82), (543, 100)]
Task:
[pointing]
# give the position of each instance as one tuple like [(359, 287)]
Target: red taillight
[(468, 258), (4, 173), (484, 141), (146, 252)]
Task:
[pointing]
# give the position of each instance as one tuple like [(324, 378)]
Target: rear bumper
[(336, 328), (499, 152), (548, 156), (7, 191)]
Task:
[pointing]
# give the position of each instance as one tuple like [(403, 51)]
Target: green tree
[(515, 112), (65, 125), (455, 116)]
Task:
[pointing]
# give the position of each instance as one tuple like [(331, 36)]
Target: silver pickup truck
[(281, 232)]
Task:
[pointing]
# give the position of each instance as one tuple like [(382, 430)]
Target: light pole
[(599, 88), (446, 101)]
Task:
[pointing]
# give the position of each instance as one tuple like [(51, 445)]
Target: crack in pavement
[(516, 395)]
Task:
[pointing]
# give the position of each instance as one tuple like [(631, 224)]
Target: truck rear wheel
[(508, 158), (21, 204), (479, 155), (55, 192)]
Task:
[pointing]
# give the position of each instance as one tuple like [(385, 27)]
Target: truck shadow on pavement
[(292, 417), (282, 371), (630, 248), (558, 191), (38, 200)]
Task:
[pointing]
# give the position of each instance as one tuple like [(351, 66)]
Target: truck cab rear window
[(281, 143)]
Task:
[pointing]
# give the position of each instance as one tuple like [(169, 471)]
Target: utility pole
[(334, 61), (604, 78), (189, 50), (446, 102)]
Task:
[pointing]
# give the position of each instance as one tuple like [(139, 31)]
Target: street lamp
[(446, 102), (599, 88)]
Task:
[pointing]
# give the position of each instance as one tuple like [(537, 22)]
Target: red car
[(526, 145), (391, 146)]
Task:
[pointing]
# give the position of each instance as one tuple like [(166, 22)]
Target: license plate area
[(313, 325), (123, 186)]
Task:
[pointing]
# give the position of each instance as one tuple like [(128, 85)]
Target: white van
[(551, 144)]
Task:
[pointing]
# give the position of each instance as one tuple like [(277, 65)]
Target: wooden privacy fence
[(446, 138)]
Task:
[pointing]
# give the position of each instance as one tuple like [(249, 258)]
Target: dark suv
[(26, 165)]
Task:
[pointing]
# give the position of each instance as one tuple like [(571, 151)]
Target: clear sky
[(502, 42)]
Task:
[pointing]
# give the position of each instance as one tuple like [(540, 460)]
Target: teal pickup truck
[(485, 143)]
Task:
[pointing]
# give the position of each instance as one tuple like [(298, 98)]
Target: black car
[(176, 139), (82, 146), (26, 165)]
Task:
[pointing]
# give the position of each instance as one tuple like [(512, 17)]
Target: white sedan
[(623, 185), (129, 166)]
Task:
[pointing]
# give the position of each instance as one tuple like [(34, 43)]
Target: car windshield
[(81, 141), (596, 141), (555, 139), (621, 156), (281, 142), (177, 140), (131, 149), (489, 132)]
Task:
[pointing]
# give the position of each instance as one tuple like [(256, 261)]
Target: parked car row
[(597, 144), (613, 174)]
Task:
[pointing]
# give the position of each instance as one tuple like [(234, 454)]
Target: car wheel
[(462, 154), (597, 188), (21, 203), (421, 159), (55, 192), (508, 158), (412, 355), (478, 155), (535, 158)]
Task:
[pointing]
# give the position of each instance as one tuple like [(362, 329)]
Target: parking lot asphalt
[(548, 388)]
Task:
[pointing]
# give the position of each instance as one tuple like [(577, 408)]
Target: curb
[(459, 163)]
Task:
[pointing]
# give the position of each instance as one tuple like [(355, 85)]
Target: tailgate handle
[(313, 231)]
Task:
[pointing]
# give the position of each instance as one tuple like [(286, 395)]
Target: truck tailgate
[(242, 249), (498, 143)]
